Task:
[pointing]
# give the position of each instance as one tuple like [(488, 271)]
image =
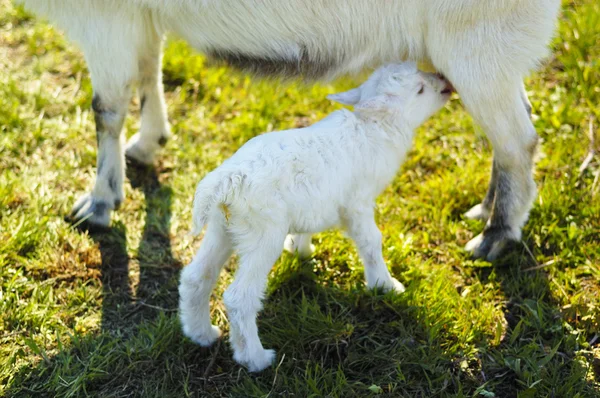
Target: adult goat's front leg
[(110, 42), (154, 131), (109, 112), (506, 122)]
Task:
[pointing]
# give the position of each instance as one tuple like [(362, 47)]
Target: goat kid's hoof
[(393, 285), (91, 211), (142, 152), (489, 245), (478, 212), (257, 361), (204, 339), (397, 286)]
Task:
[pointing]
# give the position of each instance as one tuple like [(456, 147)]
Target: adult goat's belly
[(314, 39)]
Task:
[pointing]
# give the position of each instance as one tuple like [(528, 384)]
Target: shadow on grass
[(127, 306), (331, 340), (156, 290), (537, 354)]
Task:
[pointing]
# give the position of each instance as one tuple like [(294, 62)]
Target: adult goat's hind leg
[(505, 119), (482, 211), (154, 131), (525, 99)]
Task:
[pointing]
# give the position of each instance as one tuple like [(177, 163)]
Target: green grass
[(95, 313)]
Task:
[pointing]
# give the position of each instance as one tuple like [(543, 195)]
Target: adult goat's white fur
[(485, 48), (302, 181)]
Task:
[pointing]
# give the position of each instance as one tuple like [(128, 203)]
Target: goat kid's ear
[(350, 97), (380, 102)]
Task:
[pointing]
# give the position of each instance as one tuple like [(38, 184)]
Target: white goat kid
[(302, 181), (484, 48)]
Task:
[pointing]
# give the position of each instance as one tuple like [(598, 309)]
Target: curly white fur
[(302, 181)]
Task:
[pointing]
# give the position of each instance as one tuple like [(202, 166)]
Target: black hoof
[(490, 244)]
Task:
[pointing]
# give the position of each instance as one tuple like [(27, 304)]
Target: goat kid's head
[(400, 89)]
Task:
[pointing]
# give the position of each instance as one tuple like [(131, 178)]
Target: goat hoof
[(140, 151), (256, 362), (91, 211), (490, 244), (478, 212), (397, 286), (204, 339), (391, 285)]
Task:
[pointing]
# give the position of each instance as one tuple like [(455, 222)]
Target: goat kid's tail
[(218, 187)]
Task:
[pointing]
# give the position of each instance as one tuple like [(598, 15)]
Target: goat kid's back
[(300, 177)]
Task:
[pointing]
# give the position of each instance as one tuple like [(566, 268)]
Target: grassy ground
[(95, 313)]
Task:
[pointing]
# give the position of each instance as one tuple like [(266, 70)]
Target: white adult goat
[(302, 181), (484, 48)]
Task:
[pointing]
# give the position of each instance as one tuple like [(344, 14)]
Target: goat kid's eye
[(422, 89)]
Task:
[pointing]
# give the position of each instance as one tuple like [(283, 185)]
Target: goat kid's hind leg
[(243, 299), (506, 122), (154, 131), (482, 210), (364, 232), (300, 243), (198, 280)]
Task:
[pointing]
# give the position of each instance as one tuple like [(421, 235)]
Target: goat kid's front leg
[(364, 232)]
